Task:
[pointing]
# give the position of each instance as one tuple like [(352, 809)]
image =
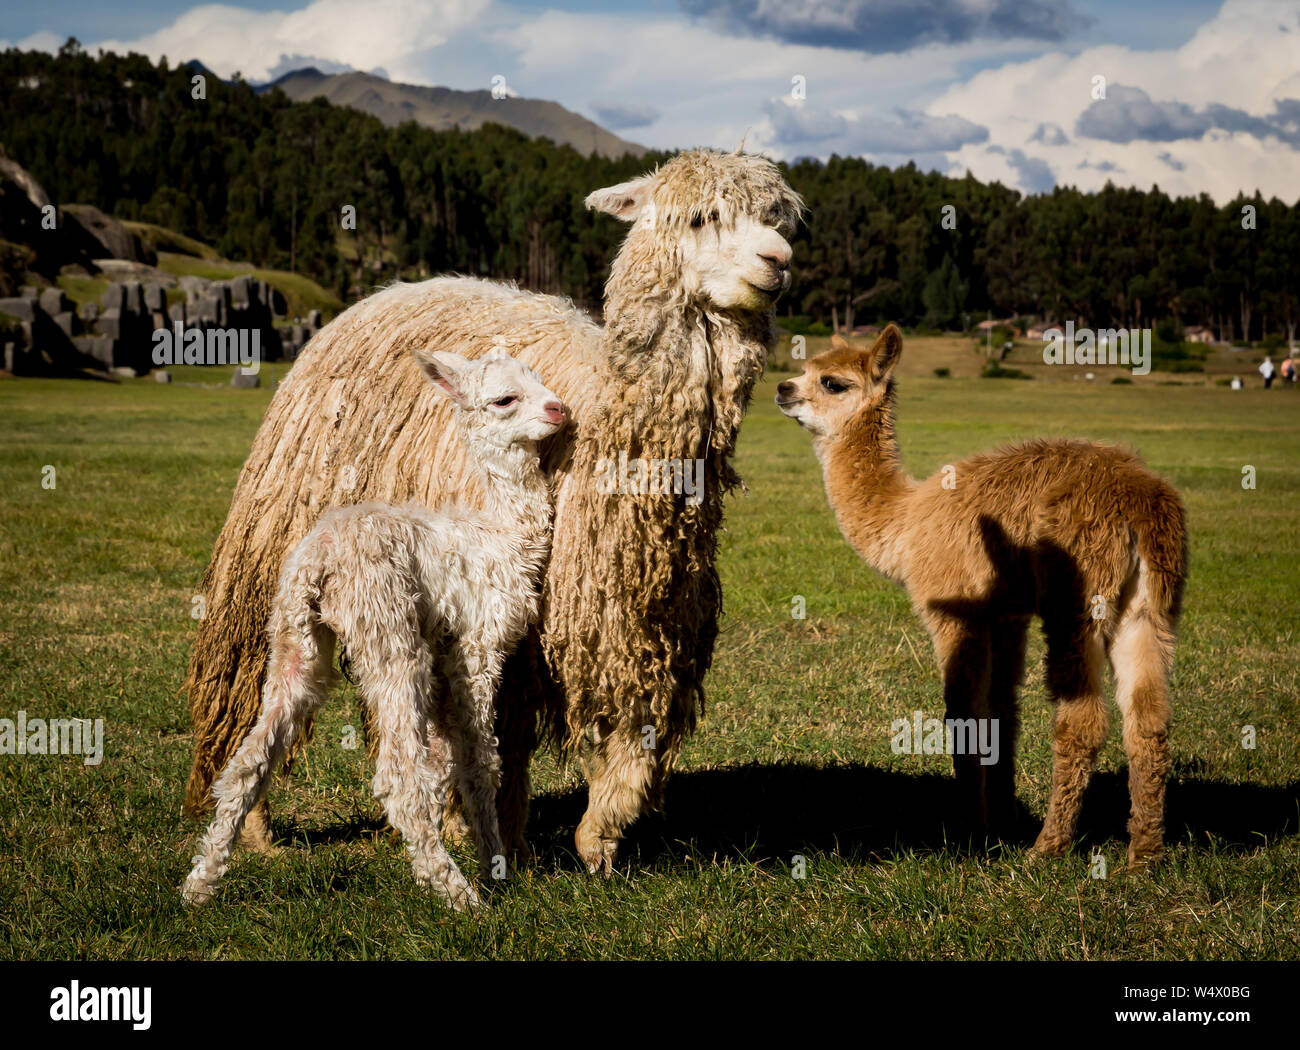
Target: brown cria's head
[(707, 228), (839, 385)]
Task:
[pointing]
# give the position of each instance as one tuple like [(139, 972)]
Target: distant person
[(1236, 383), (1287, 370), (1266, 370)]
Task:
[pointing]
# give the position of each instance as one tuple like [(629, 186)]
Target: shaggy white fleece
[(428, 606)]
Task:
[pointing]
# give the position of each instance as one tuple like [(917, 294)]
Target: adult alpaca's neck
[(867, 485), (682, 371), (675, 383)]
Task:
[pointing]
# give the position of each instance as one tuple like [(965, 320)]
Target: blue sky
[(1197, 95), (1153, 24)]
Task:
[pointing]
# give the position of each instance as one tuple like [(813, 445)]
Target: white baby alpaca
[(428, 605)]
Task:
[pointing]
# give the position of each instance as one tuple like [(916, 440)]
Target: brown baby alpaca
[(1081, 534)]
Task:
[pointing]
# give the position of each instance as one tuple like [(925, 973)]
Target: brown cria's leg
[(964, 650), (1142, 656), (1007, 671), (1074, 673)]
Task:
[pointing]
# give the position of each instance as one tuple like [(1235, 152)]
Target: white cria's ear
[(623, 201), (445, 370)]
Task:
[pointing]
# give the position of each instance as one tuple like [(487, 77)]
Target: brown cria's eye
[(833, 386)]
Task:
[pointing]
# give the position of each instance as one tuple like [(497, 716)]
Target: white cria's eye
[(505, 402)]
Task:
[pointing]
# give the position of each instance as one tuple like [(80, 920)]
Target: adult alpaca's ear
[(885, 353), (444, 370), (623, 201)]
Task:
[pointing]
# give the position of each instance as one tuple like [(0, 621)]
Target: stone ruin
[(50, 336)]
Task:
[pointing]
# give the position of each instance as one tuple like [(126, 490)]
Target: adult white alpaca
[(631, 596), (428, 606)]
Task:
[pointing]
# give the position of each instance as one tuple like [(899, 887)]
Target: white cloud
[(1244, 59), (708, 86), (228, 39), (41, 41), (905, 132), (714, 89)]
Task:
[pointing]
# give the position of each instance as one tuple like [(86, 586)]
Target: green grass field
[(97, 576)]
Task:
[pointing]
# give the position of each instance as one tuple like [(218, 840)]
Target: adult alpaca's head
[(689, 301), (708, 229)]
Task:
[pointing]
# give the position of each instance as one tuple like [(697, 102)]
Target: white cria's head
[(499, 401)]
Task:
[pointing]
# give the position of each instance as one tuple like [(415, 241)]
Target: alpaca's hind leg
[(296, 682), (1004, 728), (964, 652), (1080, 725), (1142, 656), (407, 781), (622, 776)]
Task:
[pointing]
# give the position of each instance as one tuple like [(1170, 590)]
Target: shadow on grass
[(760, 812), (772, 812)]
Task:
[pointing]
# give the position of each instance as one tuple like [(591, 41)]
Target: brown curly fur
[(631, 596), (1043, 528)]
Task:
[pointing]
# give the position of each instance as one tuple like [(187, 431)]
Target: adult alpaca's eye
[(833, 386)]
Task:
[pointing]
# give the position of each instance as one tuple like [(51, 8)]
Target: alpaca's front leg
[(409, 783), (1004, 731), (525, 689), (622, 777), (965, 657), (473, 672)]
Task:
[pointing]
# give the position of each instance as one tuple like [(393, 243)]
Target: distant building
[(1198, 334), (1007, 322)]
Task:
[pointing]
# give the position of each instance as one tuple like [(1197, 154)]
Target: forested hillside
[(265, 179)]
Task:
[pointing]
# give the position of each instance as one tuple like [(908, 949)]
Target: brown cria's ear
[(838, 342), (886, 352)]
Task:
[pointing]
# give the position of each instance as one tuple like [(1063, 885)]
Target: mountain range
[(443, 108)]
